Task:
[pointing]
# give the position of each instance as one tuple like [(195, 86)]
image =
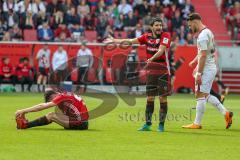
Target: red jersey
[(24, 70), (152, 47), (6, 69), (72, 106), (152, 44)]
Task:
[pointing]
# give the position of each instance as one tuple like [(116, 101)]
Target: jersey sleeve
[(202, 42), (165, 39), (142, 39), (58, 99)]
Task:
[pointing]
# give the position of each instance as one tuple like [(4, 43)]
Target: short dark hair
[(157, 19), (194, 16), (48, 94)]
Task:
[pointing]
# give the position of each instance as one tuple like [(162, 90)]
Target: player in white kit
[(205, 72)]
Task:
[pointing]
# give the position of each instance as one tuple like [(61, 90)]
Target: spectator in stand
[(16, 33), (187, 9), (83, 9), (118, 23), (130, 21), (101, 8), (36, 7), (176, 21), (41, 18), (143, 8), (77, 31), (63, 38), (124, 7), (58, 19), (89, 22), (9, 6), (109, 32), (72, 17), (7, 71), (233, 20), (137, 32), (28, 21), (189, 39), (12, 18), (3, 29), (45, 33), (101, 26), (53, 7), (6, 36), (25, 74), (59, 64), (84, 62), (43, 57), (62, 28)]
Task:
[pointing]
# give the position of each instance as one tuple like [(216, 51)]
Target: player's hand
[(19, 113), (191, 64), (198, 79), (110, 39), (226, 91)]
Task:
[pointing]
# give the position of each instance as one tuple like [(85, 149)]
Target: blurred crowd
[(230, 10), (67, 20)]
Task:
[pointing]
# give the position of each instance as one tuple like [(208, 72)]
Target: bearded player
[(70, 112), (205, 72), (158, 75)]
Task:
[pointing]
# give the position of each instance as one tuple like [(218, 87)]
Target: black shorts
[(77, 125), (43, 71), (158, 85)]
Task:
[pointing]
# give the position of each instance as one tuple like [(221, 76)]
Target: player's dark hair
[(157, 19), (48, 94), (194, 16)]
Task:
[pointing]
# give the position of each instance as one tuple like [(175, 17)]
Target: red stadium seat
[(30, 35), (91, 35)]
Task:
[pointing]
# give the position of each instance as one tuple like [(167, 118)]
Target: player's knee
[(163, 99), (150, 98), (201, 95), (50, 116)]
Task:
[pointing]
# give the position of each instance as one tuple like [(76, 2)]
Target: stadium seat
[(91, 35), (30, 35)]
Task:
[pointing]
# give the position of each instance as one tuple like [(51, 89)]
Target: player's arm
[(191, 64), (35, 108), (114, 40), (161, 50), (201, 64)]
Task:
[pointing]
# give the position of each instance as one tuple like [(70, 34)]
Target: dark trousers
[(26, 80), (11, 79)]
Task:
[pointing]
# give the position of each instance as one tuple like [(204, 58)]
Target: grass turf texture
[(115, 135)]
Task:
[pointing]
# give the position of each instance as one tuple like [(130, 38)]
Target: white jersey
[(205, 42)]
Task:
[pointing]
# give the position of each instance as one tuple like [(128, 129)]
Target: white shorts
[(208, 77)]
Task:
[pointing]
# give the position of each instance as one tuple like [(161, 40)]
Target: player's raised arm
[(35, 108), (110, 39)]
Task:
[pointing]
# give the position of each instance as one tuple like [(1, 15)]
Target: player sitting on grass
[(71, 112)]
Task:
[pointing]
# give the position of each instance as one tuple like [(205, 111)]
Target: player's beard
[(158, 33)]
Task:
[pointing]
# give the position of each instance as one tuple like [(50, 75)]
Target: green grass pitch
[(115, 135)]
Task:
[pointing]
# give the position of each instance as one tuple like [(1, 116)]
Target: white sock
[(217, 104), (200, 109)]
